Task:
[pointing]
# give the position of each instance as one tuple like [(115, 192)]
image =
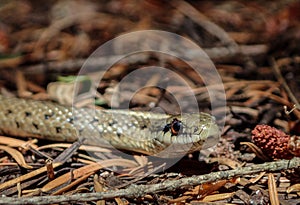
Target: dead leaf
[(86, 148), (272, 190), (69, 186), (87, 169), (258, 152), (26, 176), (226, 161), (217, 197), (293, 188), (99, 187), (13, 142), (17, 156)]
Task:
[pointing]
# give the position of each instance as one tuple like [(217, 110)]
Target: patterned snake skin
[(144, 132)]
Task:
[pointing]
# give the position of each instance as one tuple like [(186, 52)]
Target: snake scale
[(143, 132)]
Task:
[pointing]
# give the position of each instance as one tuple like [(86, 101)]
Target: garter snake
[(144, 132)]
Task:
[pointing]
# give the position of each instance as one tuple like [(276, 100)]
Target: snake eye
[(176, 126)]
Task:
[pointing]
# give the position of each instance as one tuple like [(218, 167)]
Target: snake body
[(137, 131)]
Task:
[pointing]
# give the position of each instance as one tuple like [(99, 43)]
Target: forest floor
[(237, 60)]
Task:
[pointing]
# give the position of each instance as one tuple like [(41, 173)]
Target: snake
[(149, 133)]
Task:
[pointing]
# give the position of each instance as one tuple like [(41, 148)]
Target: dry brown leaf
[(208, 188), (204, 189), (87, 148), (181, 199), (226, 161), (11, 62), (69, 186), (293, 188), (77, 190), (121, 202), (194, 191), (88, 159), (258, 177), (84, 161), (272, 190), (35, 88), (12, 142), (32, 192), (141, 160), (217, 197), (98, 186), (17, 156), (26, 176), (87, 169), (258, 152), (22, 85), (50, 170), (19, 190), (140, 170)]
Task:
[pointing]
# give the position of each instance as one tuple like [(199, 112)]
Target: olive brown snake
[(143, 132)]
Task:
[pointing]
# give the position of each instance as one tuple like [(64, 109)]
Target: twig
[(134, 191), (93, 63), (283, 82), (188, 10), (231, 48), (218, 54), (73, 65)]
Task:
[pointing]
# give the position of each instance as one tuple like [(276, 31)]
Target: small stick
[(134, 191), (283, 82)]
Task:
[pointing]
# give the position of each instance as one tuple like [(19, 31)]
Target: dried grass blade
[(218, 197), (26, 176), (293, 188), (258, 152), (12, 142), (69, 186), (98, 186), (17, 156), (272, 190), (86, 169)]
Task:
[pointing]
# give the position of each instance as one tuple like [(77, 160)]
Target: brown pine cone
[(275, 143)]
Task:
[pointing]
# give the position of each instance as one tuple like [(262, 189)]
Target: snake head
[(186, 133)]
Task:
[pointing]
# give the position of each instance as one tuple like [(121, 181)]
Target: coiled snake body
[(144, 132)]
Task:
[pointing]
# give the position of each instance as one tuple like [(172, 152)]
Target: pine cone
[(274, 143)]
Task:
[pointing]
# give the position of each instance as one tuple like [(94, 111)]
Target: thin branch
[(134, 191), (283, 82), (218, 54), (215, 30), (72, 65)]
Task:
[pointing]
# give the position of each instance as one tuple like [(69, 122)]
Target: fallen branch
[(134, 191)]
